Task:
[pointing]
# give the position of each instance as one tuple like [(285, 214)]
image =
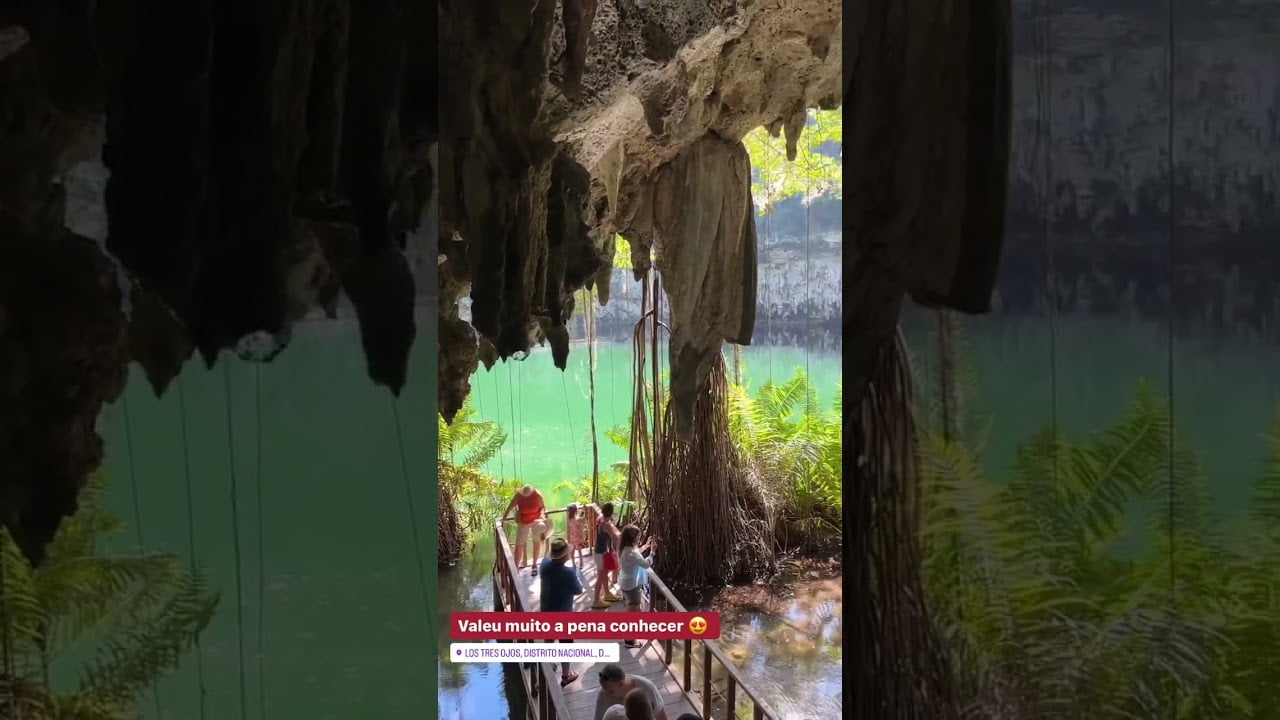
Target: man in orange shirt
[(531, 524)]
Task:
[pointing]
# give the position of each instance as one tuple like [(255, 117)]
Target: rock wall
[(793, 290), (1093, 97), (1094, 111)]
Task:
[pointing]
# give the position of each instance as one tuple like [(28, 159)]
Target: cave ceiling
[(255, 160), (566, 123), (259, 157)]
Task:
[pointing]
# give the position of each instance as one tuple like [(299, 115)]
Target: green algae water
[(336, 527), (546, 414)]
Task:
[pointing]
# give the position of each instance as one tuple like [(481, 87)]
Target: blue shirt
[(561, 583)]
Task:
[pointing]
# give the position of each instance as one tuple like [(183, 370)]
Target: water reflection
[(787, 644), (473, 691)]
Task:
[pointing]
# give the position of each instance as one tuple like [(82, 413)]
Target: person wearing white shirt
[(634, 565)]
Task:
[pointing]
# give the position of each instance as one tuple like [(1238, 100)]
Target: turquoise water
[(1226, 393), (547, 416), (472, 691), (332, 589), (546, 413)]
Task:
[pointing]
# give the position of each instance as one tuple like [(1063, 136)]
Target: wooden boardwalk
[(685, 671), (645, 661)]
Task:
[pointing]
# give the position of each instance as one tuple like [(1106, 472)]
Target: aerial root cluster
[(710, 520)]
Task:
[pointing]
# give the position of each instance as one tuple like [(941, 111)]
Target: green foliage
[(613, 479), (613, 488), (622, 253), (789, 443), (1092, 581), (464, 447), (794, 446), (812, 174), (142, 612), (467, 443)]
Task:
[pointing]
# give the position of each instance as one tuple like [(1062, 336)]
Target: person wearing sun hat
[(531, 526), (560, 584)]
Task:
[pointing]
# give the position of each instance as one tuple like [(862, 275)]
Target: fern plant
[(465, 446), (795, 447), (142, 613), (1093, 580), (1047, 612)]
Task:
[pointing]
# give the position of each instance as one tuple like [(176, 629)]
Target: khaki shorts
[(535, 531)]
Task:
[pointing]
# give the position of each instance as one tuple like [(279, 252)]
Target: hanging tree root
[(642, 450), (711, 521), (453, 536), (902, 670), (646, 397)]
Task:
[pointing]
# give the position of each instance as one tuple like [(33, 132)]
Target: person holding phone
[(635, 563)]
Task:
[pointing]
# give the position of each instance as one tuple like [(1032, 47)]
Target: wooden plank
[(530, 588), (582, 693)]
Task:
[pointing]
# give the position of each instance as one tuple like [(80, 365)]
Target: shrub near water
[(791, 449), (611, 486), (789, 445)]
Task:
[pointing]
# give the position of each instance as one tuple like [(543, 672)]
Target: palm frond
[(1043, 616)]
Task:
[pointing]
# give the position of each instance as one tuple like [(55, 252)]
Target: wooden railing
[(550, 703), (541, 680), (712, 655)]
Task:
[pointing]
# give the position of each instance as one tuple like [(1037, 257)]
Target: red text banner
[(584, 626)]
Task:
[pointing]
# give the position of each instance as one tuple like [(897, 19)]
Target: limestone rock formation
[(262, 156), (539, 169), (697, 211)]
